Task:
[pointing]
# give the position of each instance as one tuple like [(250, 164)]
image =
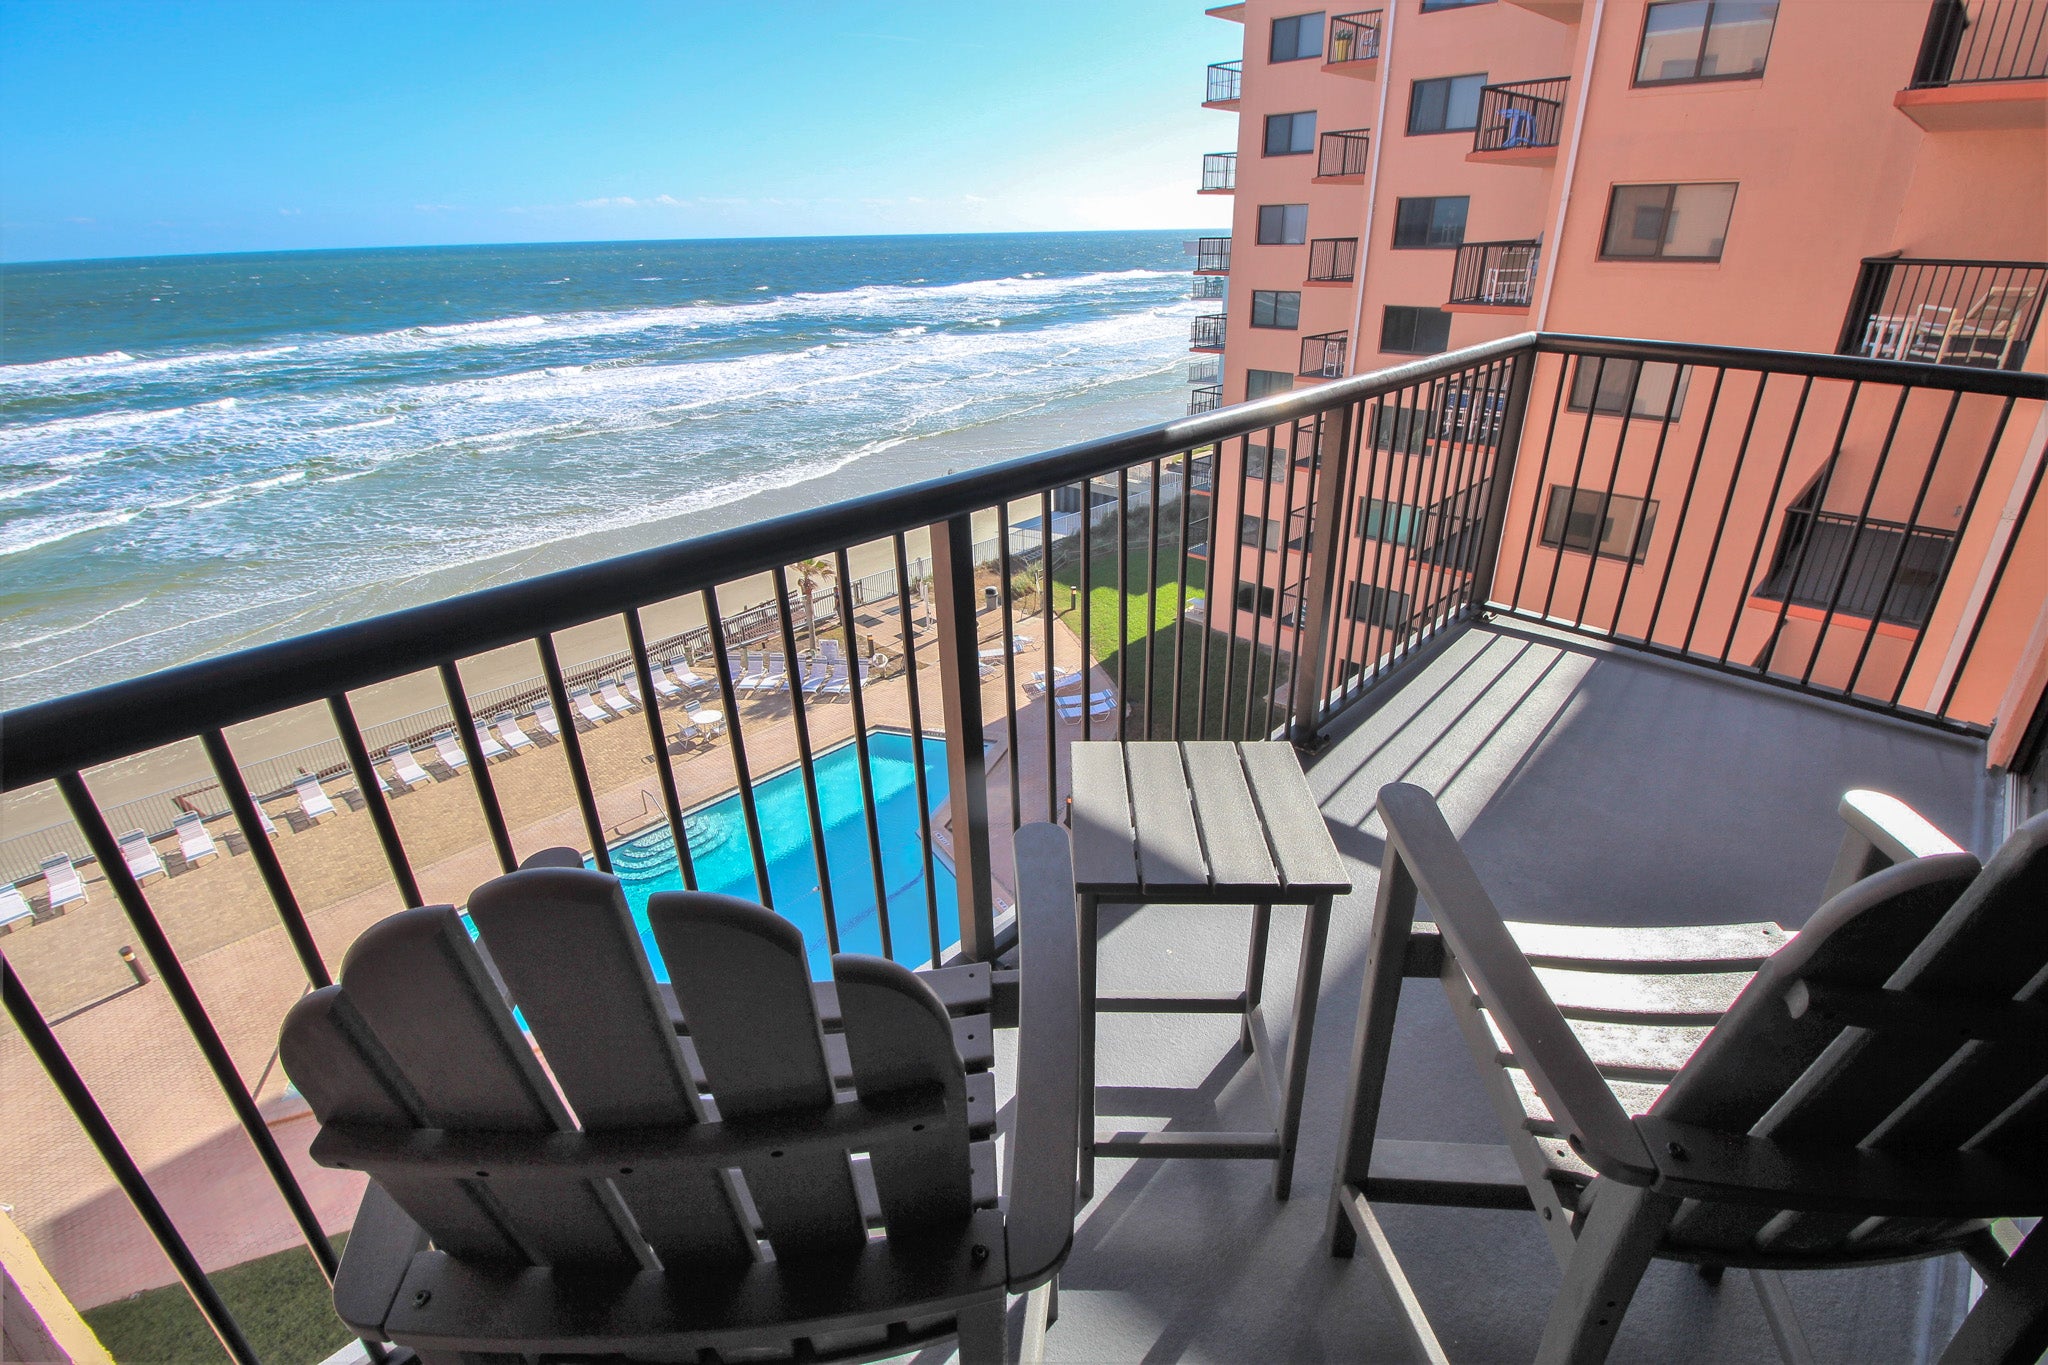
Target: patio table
[(1204, 823)]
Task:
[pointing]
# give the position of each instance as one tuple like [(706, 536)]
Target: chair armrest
[(1420, 846), (1881, 830), (373, 1264), (1044, 1144)]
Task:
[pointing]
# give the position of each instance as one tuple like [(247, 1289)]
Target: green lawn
[(281, 1302)]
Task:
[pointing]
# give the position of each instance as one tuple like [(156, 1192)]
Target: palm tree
[(812, 574)]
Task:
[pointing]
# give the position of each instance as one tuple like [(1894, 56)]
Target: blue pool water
[(724, 862)]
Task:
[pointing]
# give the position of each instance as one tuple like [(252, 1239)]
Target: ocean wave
[(9, 494), (464, 329), (99, 421), (32, 533), (42, 368), (123, 366)]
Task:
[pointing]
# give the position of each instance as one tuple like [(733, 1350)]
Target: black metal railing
[(1212, 255), (1977, 313), (1972, 41), (1344, 153), (1500, 274), (1684, 500), (1333, 258), (1207, 398), (1226, 82), (1354, 37), (1208, 370), (1520, 114), (1322, 355), (1206, 287), (1205, 331), (1219, 172)]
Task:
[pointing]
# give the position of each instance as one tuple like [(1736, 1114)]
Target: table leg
[(1315, 936), (1255, 971), (1088, 994)]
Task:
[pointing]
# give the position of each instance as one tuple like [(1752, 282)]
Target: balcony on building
[(1226, 85), (1332, 261), (1494, 277), (1982, 64), (1354, 45), (1563, 11), (1343, 158), (1206, 287), (1208, 398), (1233, 13), (1219, 173), (1207, 370), (1322, 355), (1205, 332), (1212, 255), (1945, 312), (1520, 123)]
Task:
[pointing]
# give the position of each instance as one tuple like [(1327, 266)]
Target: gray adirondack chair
[(577, 1192), (1871, 1090)]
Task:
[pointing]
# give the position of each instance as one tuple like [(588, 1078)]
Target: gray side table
[(1204, 822)]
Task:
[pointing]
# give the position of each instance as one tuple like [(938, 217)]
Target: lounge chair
[(686, 676), (772, 675), (831, 681), (487, 744), (1062, 678), (756, 664), (588, 708), (515, 738), (445, 745), (14, 907), (193, 840), (141, 856), (61, 880), (614, 698), (313, 800), (663, 687), (634, 1238), (1098, 704), (263, 818), (1874, 1088), (544, 715)]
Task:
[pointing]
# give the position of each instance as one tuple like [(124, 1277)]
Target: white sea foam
[(40, 369), (30, 533), (465, 329), (9, 494)]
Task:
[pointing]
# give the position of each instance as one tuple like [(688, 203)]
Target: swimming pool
[(723, 861)]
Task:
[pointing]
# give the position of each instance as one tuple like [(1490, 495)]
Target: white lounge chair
[(269, 825), (514, 737), (686, 675), (313, 799), (1062, 678), (408, 768), (755, 666), (1098, 704), (140, 855), (616, 699), (587, 708), (663, 688), (62, 880), (831, 682), (774, 674), (193, 841), (544, 714), (14, 906), (487, 744)]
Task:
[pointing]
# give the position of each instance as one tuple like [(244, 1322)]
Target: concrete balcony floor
[(1590, 785)]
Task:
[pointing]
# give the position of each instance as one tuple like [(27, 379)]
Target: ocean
[(202, 453)]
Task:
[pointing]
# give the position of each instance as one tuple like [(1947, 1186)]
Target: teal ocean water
[(202, 452)]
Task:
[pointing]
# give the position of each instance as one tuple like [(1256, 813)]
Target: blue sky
[(167, 127)]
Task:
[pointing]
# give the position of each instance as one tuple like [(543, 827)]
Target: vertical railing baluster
[(742, 775), (1442, 458), (1735, 470), (1827, 619), (1052, 664), (657, 733), (351, 736), (1565, 365), (1307, 646), (1087, 686), (1319, 574), (1770, 516), (1234, 529), (924, 798), (1456, 561), (1265, 520), (1393, 548), (1180, 618), (966, 757), (842, 576), (1378, 480), (792, 677), (1003, 595), (1336, 594), (1644, 526), (1151, 600), (572, 752), (1678, 526), (243, 806), (1628, 413), (1123, 599), (479, 768), (1948, 418), (1571, 497)]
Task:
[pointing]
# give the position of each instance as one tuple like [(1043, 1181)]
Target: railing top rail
[(1348, 132), (1358, 16), (1526, 85), (1236, 65), (1955, 261), (1506, 241), (1998, 383)]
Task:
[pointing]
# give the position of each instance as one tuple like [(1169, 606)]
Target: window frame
[(1259, 235), (1674, 403), (1432, 200), (1266, 143), (1273, 34), (1375, 598), (1387, 311), (1643, 529), (1637, 80), (1670, 205), (1273, 298), (1287, 387), (1414, 86)]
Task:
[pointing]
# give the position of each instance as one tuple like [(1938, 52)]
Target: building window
[(1290, 134), (1250, 529), (1667, 222), (1603, 387), (1394, 522), (1276, 308), (1430, 5), (1431, 222), (1297, 37), (1283, 224), (1594, 521), (1862, 568), (1415, 331), (1705, 40), (1379, 606), (1446, 105), (1402, 428), (1259, 383), (1253, 598)]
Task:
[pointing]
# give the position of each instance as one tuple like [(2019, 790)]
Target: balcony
[(1563, 11), (1205, 332), (1206, 287), (1322, 356), (1982, 64), (1494, 277), (1520, 123), (1354, 45), (1624, 605), (1332, 260), (1219, 173), (1226, 85), (1944, 312), (1208, 370), (1212, 256), (1343, 158), (1208, 398)]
